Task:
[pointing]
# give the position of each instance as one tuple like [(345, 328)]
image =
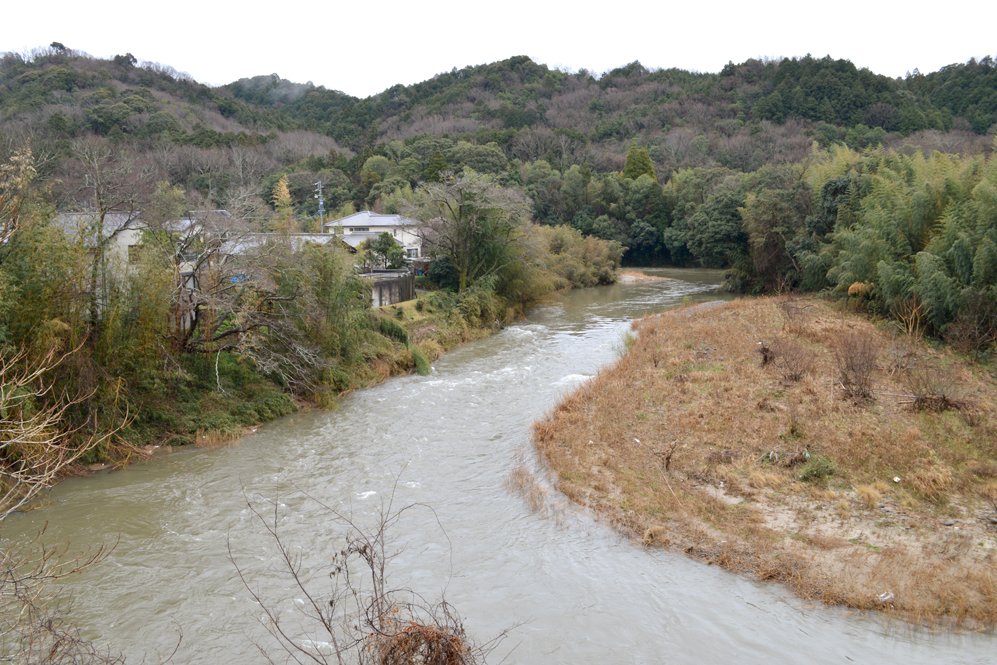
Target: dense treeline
[(749, 115), (119, 97), (206, 326), (231, 144), (967, 91), (911, 236), (741, 118)]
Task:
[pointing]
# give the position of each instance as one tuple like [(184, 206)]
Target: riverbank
[(212, 405), (214, 401), (790, 441)]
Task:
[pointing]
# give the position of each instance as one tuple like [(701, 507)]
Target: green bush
[(817, 469)]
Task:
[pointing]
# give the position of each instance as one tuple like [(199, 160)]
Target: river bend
[(572, 590)]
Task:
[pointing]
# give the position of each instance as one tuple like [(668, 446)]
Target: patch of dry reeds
[(217, 438), (792, 359), (426, 644), (932, 388)]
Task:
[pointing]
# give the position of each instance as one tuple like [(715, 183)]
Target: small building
[(366, 225), (121, 233), (389, 287)]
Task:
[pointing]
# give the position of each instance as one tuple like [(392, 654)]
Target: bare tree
[(361, 618), (36, 445), (240, 292), (15, 176), (110, 188)]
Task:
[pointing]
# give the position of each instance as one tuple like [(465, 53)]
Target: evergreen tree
[(638, 163)]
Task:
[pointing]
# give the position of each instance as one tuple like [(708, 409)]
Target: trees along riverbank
[(264, 330), (794, 441)]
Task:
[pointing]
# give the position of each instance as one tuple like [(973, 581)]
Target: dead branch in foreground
[(36, 445), (33, 628), (360, 619)]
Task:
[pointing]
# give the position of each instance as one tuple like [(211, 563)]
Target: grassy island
[(792, 441)]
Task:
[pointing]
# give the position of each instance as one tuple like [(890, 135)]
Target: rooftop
[(372, 219)]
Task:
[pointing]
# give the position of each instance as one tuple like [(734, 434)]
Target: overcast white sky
[(364, 47)]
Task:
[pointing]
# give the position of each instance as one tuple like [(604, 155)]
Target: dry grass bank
[(859, 469)]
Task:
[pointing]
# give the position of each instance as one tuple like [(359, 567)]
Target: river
[(567, 587)]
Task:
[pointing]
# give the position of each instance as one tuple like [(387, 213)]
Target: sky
[(362, 48)]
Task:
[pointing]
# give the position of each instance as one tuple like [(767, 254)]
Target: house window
[(413, 252), (359, 229)]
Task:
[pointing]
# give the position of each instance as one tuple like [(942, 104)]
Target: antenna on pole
[(321, 205)]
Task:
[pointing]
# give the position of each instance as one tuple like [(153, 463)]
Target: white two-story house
[(366, 225)]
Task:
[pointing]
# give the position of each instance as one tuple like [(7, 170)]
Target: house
[(120, 233), (205, 238), (366, 225)]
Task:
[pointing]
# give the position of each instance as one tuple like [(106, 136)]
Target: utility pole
[(321, 206)]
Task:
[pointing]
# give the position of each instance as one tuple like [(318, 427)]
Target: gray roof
[(82, 225), (202, 220), (355, 239), (372, 219), (244, 242)]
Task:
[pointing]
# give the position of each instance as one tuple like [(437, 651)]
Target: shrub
[(855, 355), (441, 301), (579, 260), (794, 315), (974, 330), (392, 329), (480, 306), (817, 469), (932, 388), (793, 360)]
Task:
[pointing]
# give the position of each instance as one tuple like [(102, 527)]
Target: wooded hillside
[(794, 173)]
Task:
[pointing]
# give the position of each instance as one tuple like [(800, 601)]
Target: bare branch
[(36, 446), (363, 619)]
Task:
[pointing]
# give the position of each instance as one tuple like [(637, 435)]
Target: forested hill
[(747, 115), (65, 94)]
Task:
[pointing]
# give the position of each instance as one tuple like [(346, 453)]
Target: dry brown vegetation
[(863, 481)]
